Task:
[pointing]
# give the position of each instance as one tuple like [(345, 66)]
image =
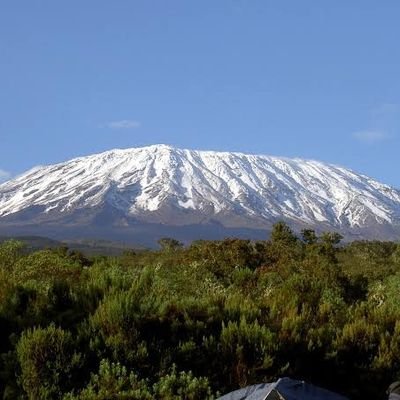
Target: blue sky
[(310, 79)]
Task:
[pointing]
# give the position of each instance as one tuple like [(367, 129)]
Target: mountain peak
[(162, 184)]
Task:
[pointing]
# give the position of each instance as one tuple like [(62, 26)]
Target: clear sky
[(310, 79)]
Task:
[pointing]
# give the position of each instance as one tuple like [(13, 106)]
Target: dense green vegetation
[(192, 322), (89, 247)]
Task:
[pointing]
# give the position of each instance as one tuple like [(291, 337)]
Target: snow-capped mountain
[(166, 186)]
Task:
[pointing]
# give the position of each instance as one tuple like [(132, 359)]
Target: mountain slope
[(163, 185)]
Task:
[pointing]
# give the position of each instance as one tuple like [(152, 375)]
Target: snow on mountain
[(162, 184)]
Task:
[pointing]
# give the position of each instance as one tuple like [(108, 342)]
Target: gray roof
[(283, 389)]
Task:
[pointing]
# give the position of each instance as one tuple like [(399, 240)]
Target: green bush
[(113, 381), (47, 360)]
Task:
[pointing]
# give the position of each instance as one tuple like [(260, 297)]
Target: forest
[(194, 322)]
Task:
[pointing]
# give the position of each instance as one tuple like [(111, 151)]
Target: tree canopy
[(197, 321)]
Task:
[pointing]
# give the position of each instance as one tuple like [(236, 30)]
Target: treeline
[(198, 321)]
